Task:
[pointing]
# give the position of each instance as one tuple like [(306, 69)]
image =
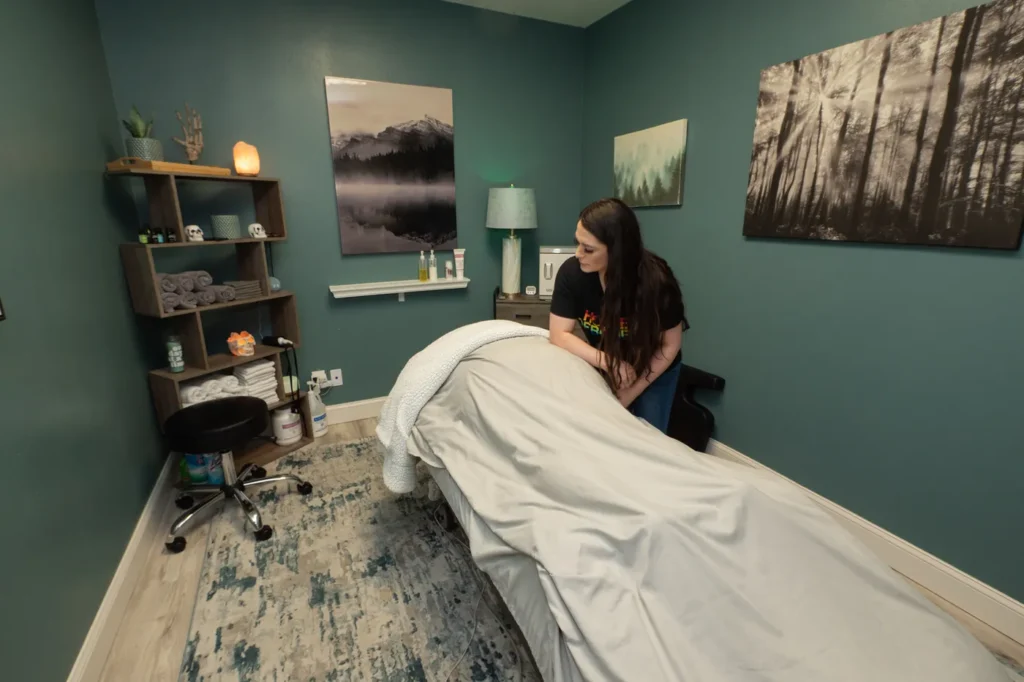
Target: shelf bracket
[(401, 297)]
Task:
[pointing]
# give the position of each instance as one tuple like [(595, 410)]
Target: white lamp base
[(511, 257)]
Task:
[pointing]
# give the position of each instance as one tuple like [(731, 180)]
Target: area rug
[(356, 584)]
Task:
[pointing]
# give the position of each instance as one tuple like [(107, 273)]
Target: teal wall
[(886, 378), (80, 451), (255, 70)]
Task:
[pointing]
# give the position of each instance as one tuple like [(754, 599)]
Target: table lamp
[(511, 208)]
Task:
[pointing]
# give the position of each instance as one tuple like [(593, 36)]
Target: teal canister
[(226, 226)]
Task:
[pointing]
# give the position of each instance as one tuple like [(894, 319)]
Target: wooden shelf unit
[(144, 290)]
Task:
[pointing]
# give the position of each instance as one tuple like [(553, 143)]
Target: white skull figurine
[(193, 233), (256, 231)]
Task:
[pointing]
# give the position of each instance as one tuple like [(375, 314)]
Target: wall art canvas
[(915, 136), (649, 165), (393, 153)]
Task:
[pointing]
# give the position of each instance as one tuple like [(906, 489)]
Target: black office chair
[(690, 422), (220, 426)]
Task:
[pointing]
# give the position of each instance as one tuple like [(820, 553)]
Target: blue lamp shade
[(511, 208)]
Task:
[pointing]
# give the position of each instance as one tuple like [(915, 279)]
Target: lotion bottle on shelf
[(433, 266), (423, 267)]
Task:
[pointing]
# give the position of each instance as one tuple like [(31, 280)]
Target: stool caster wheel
[(263, 533), (176, 545), (305, 488), (257, 472), (184, 502)]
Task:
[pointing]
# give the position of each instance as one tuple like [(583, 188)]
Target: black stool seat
[(217, 425)]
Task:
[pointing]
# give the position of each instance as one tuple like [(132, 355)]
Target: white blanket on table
[(419, 380)]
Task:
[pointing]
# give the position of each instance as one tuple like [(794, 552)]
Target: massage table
[(623, 554)]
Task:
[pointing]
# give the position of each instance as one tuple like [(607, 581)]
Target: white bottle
[(287, 426), (317, 411), (433, 267)]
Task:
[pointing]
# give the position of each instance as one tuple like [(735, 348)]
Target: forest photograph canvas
[(915, 136), (649, 165), (393, 155)]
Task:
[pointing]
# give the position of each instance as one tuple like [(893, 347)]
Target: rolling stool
[(222, 426)]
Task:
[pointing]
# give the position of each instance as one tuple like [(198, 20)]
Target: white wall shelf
[(399, 287)]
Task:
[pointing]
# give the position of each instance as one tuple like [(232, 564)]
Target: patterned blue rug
[(355, 584)]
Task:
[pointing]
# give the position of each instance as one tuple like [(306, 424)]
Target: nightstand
[(530, 310)]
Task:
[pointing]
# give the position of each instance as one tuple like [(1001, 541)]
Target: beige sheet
[(658, 563)]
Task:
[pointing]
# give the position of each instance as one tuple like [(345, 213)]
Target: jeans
[(654, 405)]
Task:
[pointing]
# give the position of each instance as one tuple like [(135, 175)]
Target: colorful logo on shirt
[(591, 324)]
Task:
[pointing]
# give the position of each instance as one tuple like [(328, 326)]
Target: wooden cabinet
[(530, 310)]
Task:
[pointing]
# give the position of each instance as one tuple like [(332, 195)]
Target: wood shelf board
[(276, 296), (218, 363), (399, 287), (142, 172), (267, 452), (209, 242)]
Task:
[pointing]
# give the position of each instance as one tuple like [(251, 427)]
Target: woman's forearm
[(580, 348)]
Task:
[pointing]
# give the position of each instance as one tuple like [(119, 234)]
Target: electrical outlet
[(320, 377), (336, 379)]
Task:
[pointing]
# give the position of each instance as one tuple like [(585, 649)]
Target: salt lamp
[(247, 159)]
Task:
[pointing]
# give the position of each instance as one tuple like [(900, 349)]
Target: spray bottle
[(317, 410)]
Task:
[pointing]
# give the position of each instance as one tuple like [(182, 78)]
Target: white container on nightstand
[(551, 258)]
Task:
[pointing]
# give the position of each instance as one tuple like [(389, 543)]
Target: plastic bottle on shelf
[(175, 355), (423, 267), (433, 267)]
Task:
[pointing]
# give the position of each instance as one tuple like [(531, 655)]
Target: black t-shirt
[(579, 295)]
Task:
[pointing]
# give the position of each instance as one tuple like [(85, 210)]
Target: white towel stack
[(210, 388), (258, 379)]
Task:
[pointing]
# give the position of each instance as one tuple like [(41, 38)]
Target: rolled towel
[(201, 278), (193, 393), (170, 300), (205, 297), (224, 294), (228, 383), (168, 283), (188, 301), (185, 283)]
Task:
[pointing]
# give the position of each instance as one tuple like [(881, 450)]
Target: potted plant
[(140, 145)]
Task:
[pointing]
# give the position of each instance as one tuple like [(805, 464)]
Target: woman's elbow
[(557, 337)]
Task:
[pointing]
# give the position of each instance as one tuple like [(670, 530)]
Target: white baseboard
[(93, 654), (969, 594), (353, 412)]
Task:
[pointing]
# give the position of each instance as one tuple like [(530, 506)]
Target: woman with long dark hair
[(614, 283)]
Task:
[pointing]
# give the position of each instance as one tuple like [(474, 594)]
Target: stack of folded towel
[(258, 379), (186, 290), (210, 388), (246, 288)]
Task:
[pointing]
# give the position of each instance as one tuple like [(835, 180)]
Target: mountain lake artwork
[(393, 155)]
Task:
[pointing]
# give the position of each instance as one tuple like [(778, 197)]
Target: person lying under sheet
[(626, 556), (613, 281)]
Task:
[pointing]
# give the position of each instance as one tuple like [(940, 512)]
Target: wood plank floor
[(151, 637)]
